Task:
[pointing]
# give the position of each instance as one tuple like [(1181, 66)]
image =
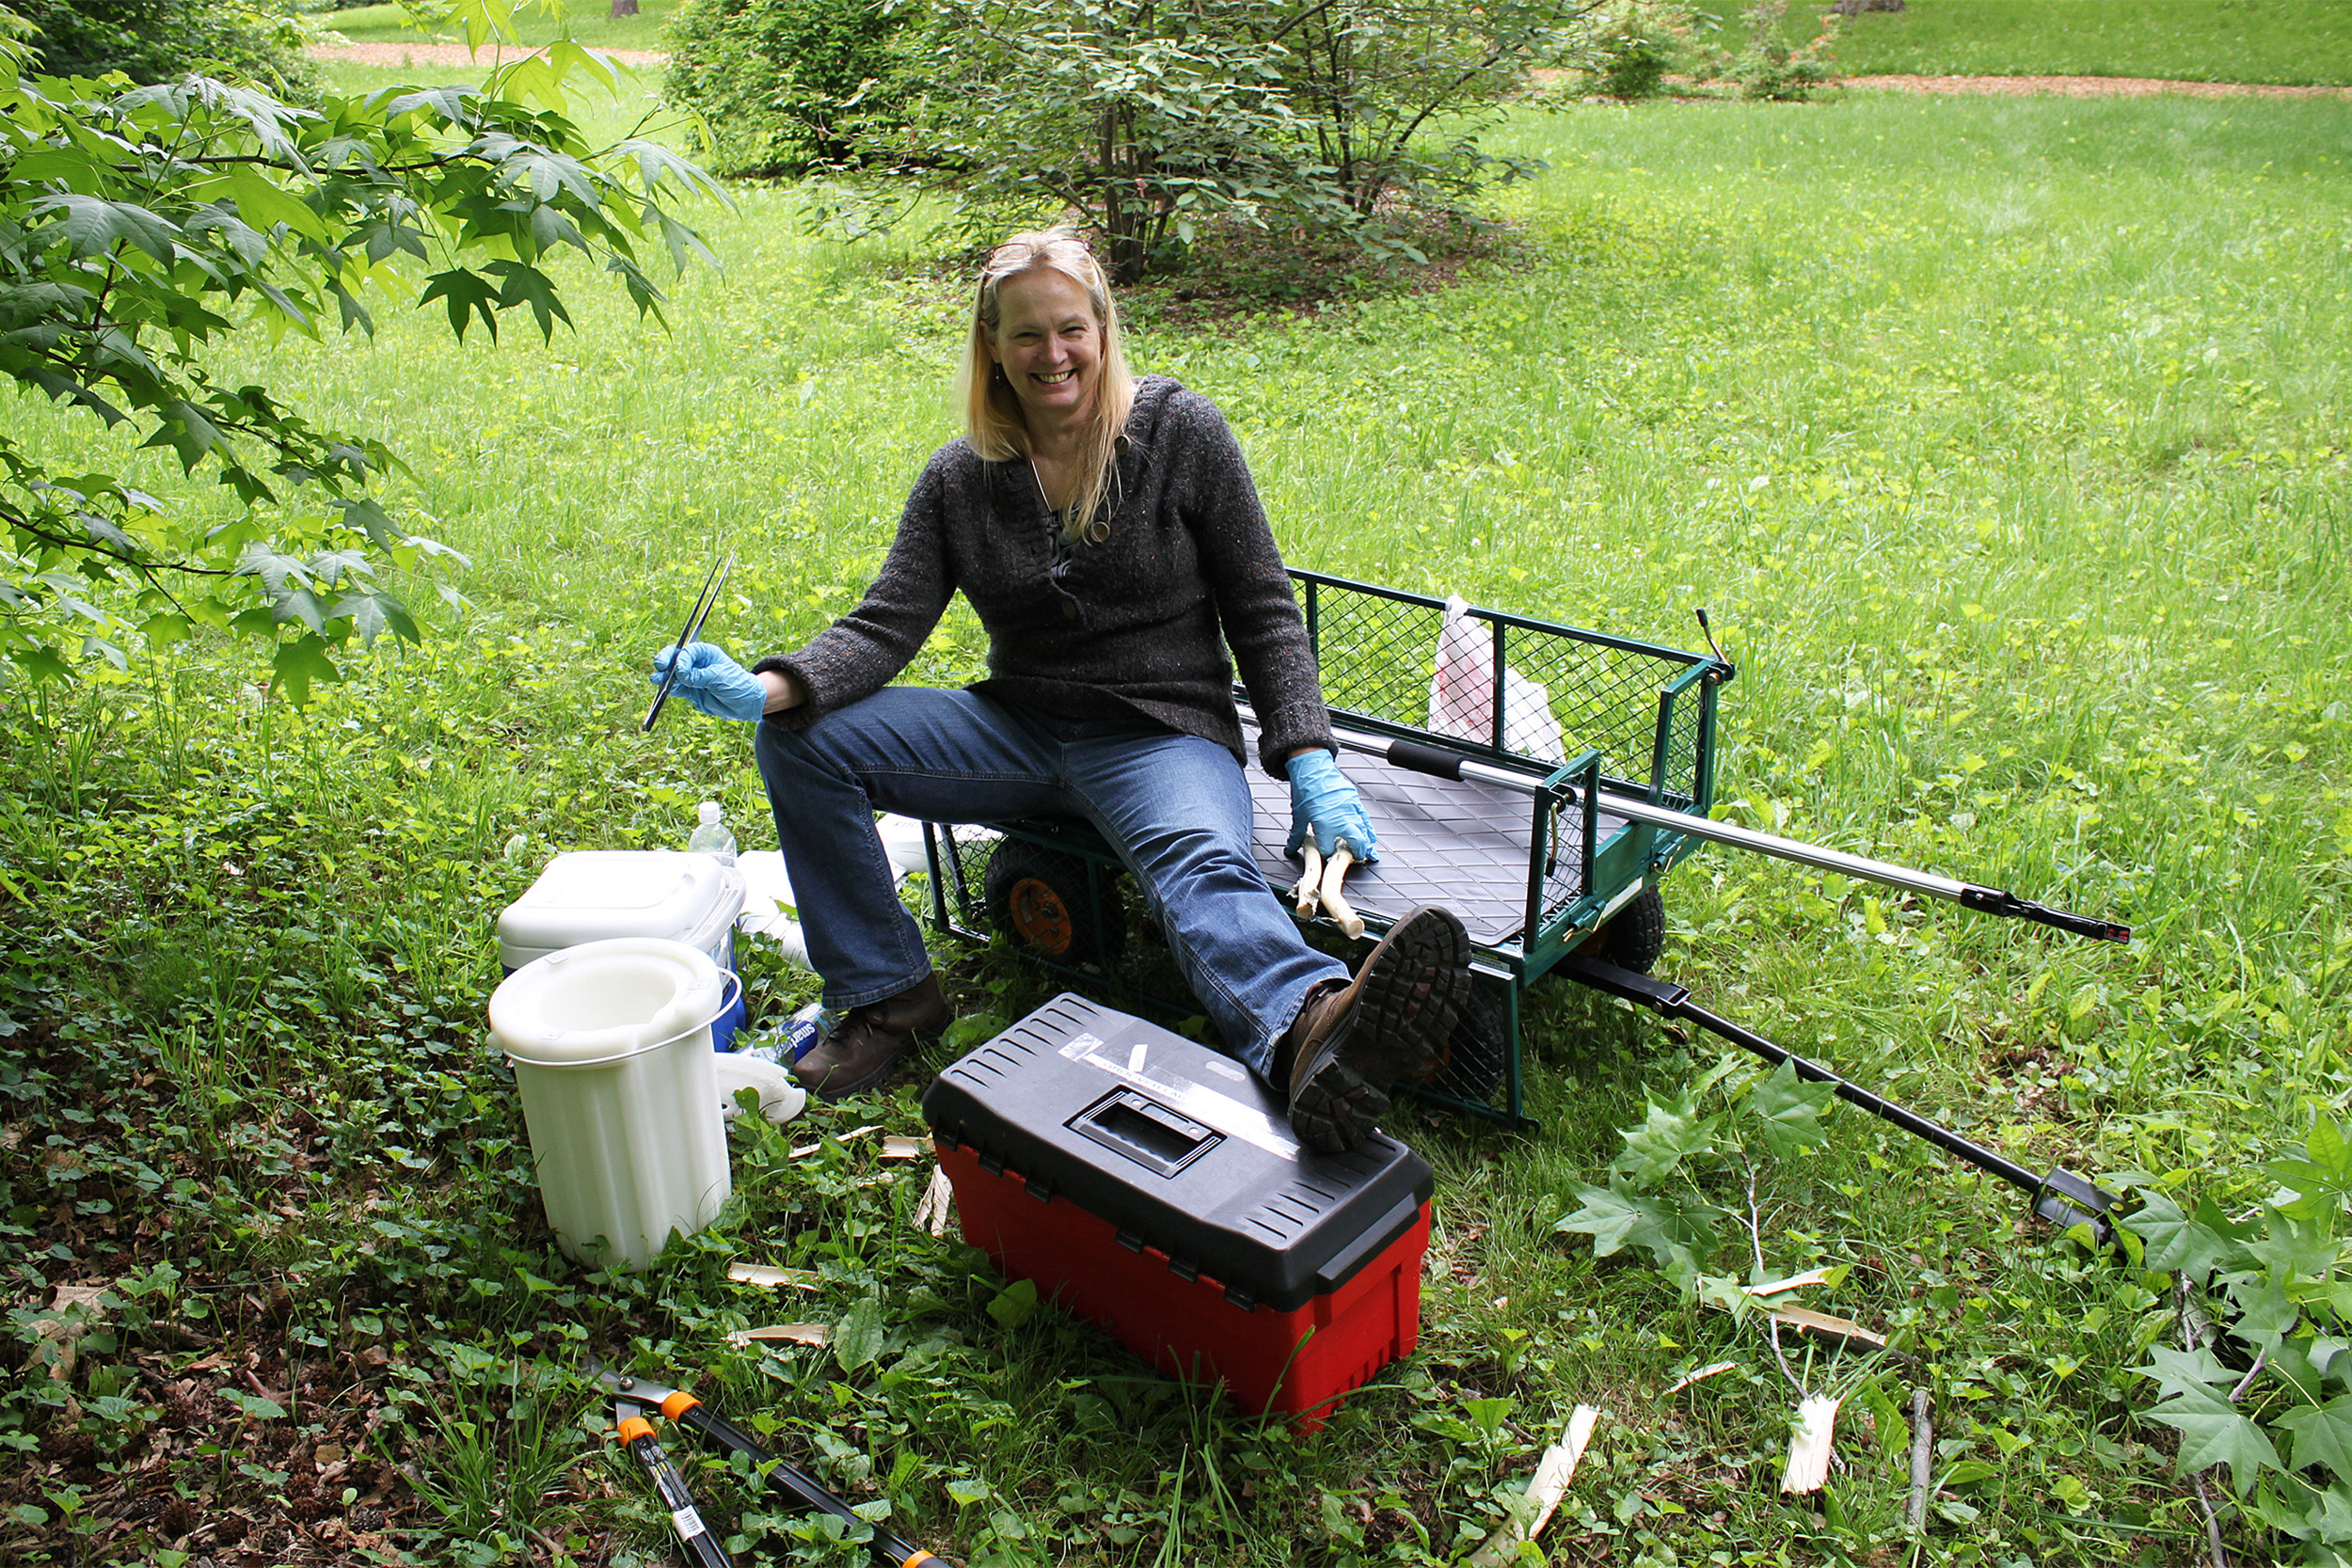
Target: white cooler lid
[(593, 895)]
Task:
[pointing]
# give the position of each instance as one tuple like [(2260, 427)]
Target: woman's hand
[(712, 681), (1325, 806)]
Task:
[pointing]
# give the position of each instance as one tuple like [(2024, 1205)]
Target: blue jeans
[(1175, 807)]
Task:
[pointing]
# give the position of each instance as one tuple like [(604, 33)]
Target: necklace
[(1097, 528)]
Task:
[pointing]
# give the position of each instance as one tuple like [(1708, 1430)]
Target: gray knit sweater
[(1139, 624)]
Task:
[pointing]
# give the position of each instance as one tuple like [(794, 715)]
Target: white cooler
[(596, 895)]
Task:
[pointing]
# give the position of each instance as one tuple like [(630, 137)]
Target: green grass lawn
[(2004, 440), (590, 24), (2291, 41)]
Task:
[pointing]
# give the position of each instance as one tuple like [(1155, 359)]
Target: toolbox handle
[(1144, 1131), (1337, 1270)]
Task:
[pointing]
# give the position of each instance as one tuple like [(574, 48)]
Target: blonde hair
[(993, 421)]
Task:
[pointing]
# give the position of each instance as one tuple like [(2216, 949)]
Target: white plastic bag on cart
[(1462, 693)]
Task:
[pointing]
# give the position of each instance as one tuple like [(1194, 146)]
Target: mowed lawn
[(2285, 41), (2002, 440)]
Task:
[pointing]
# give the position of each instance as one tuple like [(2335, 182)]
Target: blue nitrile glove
[(1323, 801), (714, 683)]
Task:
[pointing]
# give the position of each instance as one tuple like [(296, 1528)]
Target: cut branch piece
[(1922, 1463), (1335, 902), (1310, 881), (1543, 1491), (897, 1145), (1810, 1445)]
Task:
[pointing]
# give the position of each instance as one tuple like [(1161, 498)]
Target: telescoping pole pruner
[(889, 1550), (1441, 763), (637, 1441)]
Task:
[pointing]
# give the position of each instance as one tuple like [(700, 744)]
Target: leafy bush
[(1271, 114), (161, 41), (784, 85), (1631, 44), (1767, 69)]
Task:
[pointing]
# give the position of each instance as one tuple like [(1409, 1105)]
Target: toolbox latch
[(1041, 1188), (1135, 1125), (1184, 1270)]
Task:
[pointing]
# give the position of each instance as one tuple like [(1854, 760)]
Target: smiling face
[(1049, 345)]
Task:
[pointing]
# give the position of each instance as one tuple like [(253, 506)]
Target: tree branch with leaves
[(141, 227)]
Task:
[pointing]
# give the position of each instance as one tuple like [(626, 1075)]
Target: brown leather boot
[(862, 1050), (1353, 1039)]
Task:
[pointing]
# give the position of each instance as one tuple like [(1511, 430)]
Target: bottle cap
[(709, 813)]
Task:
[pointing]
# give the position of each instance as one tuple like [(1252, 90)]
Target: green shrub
[(1630, 46), (1155, 125), (1769, 68), (162, 41), (785, 84)]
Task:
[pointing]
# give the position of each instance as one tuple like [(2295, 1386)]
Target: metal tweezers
[(703, 603)]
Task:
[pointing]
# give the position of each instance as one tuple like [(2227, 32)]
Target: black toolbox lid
[(1179, 1148)]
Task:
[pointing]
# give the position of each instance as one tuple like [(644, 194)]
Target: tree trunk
[(624, 8)]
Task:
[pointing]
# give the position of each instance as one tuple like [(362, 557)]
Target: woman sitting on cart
[(1106, 531)]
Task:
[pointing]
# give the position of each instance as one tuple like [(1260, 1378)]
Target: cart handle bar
[(1443, 763), (2061, 1197)]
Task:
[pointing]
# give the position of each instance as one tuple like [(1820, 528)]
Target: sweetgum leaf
[(1668, 1135), (2193, 1244), (2323, 1434), (2214, 1432), (1789, 1111)]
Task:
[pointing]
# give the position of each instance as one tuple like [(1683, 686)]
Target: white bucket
[(611, 1042)]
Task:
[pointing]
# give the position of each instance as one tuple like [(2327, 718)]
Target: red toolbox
[(1153, 1185)]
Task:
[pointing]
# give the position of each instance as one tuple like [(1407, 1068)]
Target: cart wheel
[(1635, 935), (1039, 896), (1473, 1059)]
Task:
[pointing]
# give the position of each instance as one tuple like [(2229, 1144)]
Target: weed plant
[(2005, 441)]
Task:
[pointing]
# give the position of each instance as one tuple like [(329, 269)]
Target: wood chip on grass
[(771, 1279), (1699, 1376), (932, 1213), (807, 1149), (792, 1334), (1544, 1489), (1810, 1445)]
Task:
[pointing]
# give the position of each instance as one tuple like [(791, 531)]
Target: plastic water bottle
[(712, 837), (800, 1035)]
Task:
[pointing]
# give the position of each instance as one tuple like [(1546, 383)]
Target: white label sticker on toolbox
[(1198, 1101)]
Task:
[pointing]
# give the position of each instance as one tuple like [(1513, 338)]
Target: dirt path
[(2082, 87)]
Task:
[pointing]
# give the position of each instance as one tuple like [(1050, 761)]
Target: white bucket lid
[(601, 1002), (589, 895)]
